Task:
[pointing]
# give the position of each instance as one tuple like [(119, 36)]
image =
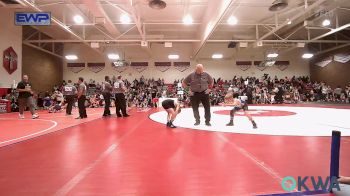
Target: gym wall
[(334, 73), (224, 68), (44, 70), (10, 36)]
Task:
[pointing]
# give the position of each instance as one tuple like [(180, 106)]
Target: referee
[(199, 82), (69, 91), (119, 89), (81, 98), (107, 93)]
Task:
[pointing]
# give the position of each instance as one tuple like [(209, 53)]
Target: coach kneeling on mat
[(199, 82)]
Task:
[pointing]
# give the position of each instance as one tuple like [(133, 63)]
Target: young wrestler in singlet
[(238, 103), (173, 109)]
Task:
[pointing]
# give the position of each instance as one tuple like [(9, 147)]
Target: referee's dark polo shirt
[(198, 82)]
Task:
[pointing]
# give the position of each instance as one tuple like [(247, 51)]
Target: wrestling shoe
[(171, 125), (35, 116), (21, 116), (254, 125), (230, 123), (197, 123), (208, 124)]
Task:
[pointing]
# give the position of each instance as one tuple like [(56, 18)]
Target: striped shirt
[(119, 86)]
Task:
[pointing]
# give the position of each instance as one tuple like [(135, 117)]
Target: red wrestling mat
[(137, 156), (14, 130)]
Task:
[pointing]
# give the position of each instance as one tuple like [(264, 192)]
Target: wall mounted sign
[(244, 65), (182, 66), (76, 67), (33, 18), (10, 60), (282, 65), (260, 65), (139, 66), (324, 62), (162, 66), (342, 58), (96, 67)]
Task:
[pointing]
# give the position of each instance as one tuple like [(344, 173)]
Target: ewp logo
[(289, 183), (29, 18)]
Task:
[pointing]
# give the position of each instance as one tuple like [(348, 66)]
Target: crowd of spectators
[(144, 93), (267, 90)]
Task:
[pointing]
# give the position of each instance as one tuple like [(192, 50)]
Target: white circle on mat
[(271, 120)]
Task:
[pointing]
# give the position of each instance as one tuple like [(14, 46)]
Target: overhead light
[(272, 55), (326, 22), (113, 56), (289, 21), (300, 45), (173, 56), (217, 56), (187, 20), (125, 19), (78, 19), (307, 55), (71, 57), (232, 20)]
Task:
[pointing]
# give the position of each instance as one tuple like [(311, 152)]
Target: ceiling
[(255, 22)]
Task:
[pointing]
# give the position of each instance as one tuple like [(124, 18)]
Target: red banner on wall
[(139, 66), (282, 65), (244, 65), (162, 66), (10, 60), (96, 67), (260, 65), (76, 67), (182, 66)]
